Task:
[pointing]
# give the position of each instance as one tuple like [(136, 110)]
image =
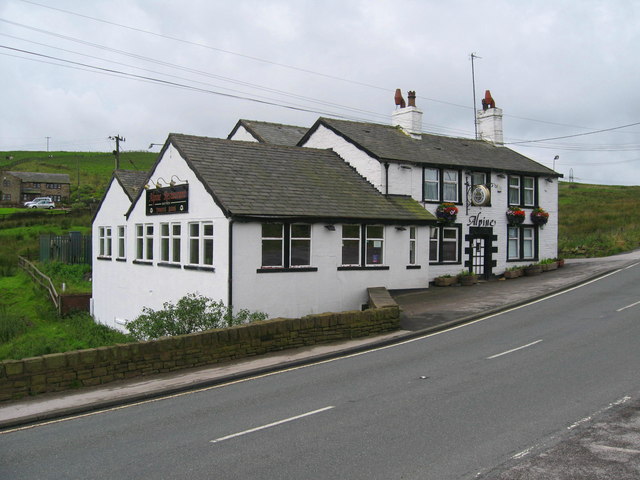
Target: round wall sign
[(480, 195)]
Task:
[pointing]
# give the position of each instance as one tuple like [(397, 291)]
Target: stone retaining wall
[(64, 371)]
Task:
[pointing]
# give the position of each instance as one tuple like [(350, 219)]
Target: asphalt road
[(449, 406)]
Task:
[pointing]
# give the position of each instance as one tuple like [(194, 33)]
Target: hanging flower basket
[(539, 217), (515, 216), (447, 212)]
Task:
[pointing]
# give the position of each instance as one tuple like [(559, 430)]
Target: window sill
[(143, 262), (103, 258), (121, 259), (445, 263), (513, 260), (199, 268), (170, 265), (367, 267), (286, 270), (414, 267)]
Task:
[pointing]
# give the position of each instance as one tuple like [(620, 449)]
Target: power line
[(574, 135)]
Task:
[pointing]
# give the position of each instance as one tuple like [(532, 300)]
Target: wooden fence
[(41, 279)]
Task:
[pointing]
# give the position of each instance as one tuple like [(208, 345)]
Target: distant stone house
[(284, 230), (20, 187)]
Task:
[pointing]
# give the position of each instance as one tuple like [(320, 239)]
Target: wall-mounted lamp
[(501, 175), (405, 167), (177, 179), (400, 228), (549, 179), (154, 144), (330, 227), (158, 184)]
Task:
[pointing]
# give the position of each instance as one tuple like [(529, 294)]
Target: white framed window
[(450, 244), (412, 245), (272, 245), (528, 191), (432, 184), (434, 245), (201, 243), (300, 245), (105, 241), (144, 241), (513, 247), (521, 243), (122, 241), (478, 178), (514, 190), (374, 245), (170, 242), (350, 245), (148, 241), (450, 186)]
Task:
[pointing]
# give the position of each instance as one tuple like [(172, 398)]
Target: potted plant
[(513, 272), (515, 215), (447, 212), (467, 278), (533, 269), (548, 264), (445, 280), (539, 217)]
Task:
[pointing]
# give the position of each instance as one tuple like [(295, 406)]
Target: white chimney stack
[(408, 118), (490, 121)]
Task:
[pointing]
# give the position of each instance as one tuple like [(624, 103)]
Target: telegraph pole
[(116, 152), (47, 143), (473, 81)]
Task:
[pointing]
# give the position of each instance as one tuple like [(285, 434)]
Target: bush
[(192, 313)]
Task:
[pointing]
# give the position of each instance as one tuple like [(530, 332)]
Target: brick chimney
[(490, 121), (408, 118)]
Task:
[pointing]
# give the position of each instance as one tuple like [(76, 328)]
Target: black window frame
[(364, 265), (521, 178), (536, 243), (440, 198), (286, 249), (440, 229)]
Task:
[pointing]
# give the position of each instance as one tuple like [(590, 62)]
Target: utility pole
[(473, 81), (116, 152), (47, 143)]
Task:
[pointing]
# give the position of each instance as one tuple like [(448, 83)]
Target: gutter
[(230, 267)]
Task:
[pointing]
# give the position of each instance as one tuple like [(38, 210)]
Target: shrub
[(192, 313)]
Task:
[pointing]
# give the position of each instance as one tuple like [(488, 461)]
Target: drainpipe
[(230, 267), (386, 178)]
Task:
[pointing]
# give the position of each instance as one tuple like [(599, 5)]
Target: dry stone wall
[(96, 366)]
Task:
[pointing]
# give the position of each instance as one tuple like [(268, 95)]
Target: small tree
[(192, 313)]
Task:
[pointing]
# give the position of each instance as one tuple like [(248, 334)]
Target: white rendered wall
[(122, 289), (292, 294), (366, 166), (242, 134)]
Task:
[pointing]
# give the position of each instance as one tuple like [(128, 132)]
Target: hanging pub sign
[(165, 200)]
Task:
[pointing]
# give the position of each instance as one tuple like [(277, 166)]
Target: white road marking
[(513, 350), (628, 306), (615, 449), (279, 422)]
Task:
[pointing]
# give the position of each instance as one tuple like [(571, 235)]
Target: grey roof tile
[(41, 177), (391, 143), (132, 181), (262, 180), (273, 133)]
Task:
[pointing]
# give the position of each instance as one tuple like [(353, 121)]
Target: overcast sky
[(79, 71)]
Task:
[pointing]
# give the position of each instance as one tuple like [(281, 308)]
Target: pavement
[(423, 311)]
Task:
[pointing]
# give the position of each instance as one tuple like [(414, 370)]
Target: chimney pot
[(398, 98), (412, 98)]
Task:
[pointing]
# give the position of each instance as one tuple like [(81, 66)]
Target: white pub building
[(292, 221)]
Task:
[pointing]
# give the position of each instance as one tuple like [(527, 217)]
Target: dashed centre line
[(279, 422), (513, 350)]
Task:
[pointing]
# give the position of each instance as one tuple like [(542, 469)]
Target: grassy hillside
[(598, 220)]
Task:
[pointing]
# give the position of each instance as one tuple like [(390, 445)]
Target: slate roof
[(41, 177), (249, 179), (131, 181), (391, 143), (273, 133)]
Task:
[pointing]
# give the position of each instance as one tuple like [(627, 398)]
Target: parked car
[(37, 199), (43, 204)]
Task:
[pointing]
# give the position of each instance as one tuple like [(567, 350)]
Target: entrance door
[(480, 251)]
